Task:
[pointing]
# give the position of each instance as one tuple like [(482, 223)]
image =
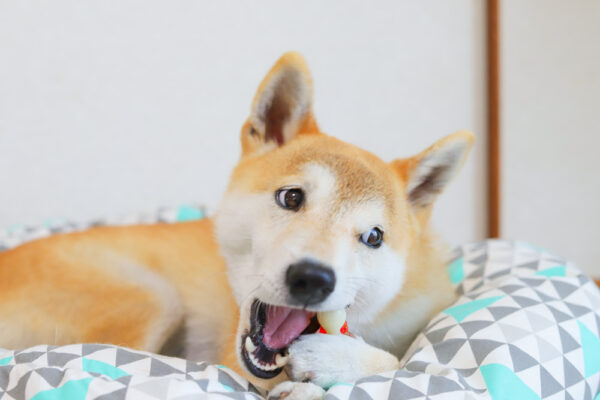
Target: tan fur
[(135, 286)]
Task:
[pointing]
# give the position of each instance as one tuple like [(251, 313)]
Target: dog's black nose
[(309, 282)]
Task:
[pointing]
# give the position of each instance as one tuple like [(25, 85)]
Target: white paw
[(329, 359), (296, 391)]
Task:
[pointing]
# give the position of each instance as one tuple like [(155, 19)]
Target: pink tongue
[(283, 325)]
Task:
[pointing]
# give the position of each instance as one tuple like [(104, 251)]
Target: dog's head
[(310, 223)]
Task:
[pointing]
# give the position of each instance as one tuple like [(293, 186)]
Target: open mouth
[(272, 330)]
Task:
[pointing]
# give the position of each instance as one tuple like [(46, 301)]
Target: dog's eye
[(372, 238), (290, 199)]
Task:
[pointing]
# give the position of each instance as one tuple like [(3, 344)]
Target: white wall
[(551, 126), (108, 107)]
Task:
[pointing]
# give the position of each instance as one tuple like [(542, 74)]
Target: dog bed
[(526, 325)]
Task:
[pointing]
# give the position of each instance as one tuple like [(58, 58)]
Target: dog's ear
[(282, 106), (427, 174)]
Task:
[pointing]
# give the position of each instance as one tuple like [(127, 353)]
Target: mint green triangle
[(5, 361), (504, 384), (591, 350), (561, 270), (456, 272), (72, 390), (462, 311), (189, 213), (103, 368)]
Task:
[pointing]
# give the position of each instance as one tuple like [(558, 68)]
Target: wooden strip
[(493, 61)]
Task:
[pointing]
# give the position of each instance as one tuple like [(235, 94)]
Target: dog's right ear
[(282, 106)]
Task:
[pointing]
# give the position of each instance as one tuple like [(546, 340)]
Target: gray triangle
[(500, 273), (437, 335), (53, 376), (533, 282), (439, 384), (466, 372), (89, 348), (588, 392), (572, 374), (559, 316), (477, 273), (548, 383), (525, 301), (520, 359), (116, 395), (125, 380), (568, 396), (568, 343), (500, 312), (577, 310), (582, 279), (479, 260), (195, 367), (419, 366), (482, 347), (4, 376), (508, 289), (226, 379), (544, 297), (56, 359), (399, 390), (126, 357), (373, 378), (27, 357), (513, 333), (530, 265), (202, 383), (564, 289), (446, 350), (159, 368), (359, 394), (472, 327), (18, 392)]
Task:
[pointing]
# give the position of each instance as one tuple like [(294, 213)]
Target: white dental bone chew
[(332, 321)]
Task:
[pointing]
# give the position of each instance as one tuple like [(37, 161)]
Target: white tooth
[(280, 360), (254, 360), (250, 347)]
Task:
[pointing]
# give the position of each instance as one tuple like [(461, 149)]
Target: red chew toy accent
[(343, 330)]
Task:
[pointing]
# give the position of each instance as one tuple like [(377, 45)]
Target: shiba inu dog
[(308, 224)]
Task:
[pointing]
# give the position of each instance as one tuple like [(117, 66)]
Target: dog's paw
[(328, 359), (296, 391)]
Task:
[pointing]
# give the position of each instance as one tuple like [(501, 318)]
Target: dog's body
[(308, 224)]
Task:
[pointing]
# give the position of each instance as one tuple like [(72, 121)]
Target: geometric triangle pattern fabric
[(525, 325)]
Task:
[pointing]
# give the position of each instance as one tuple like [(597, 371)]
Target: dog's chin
[(264, 346)]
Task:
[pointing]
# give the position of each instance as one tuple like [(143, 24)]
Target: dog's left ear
[(427, 174), (282, 106)]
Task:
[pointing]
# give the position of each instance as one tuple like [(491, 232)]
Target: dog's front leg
[(329, 359)]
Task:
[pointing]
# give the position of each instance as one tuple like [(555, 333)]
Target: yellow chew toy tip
[(332, 321)]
